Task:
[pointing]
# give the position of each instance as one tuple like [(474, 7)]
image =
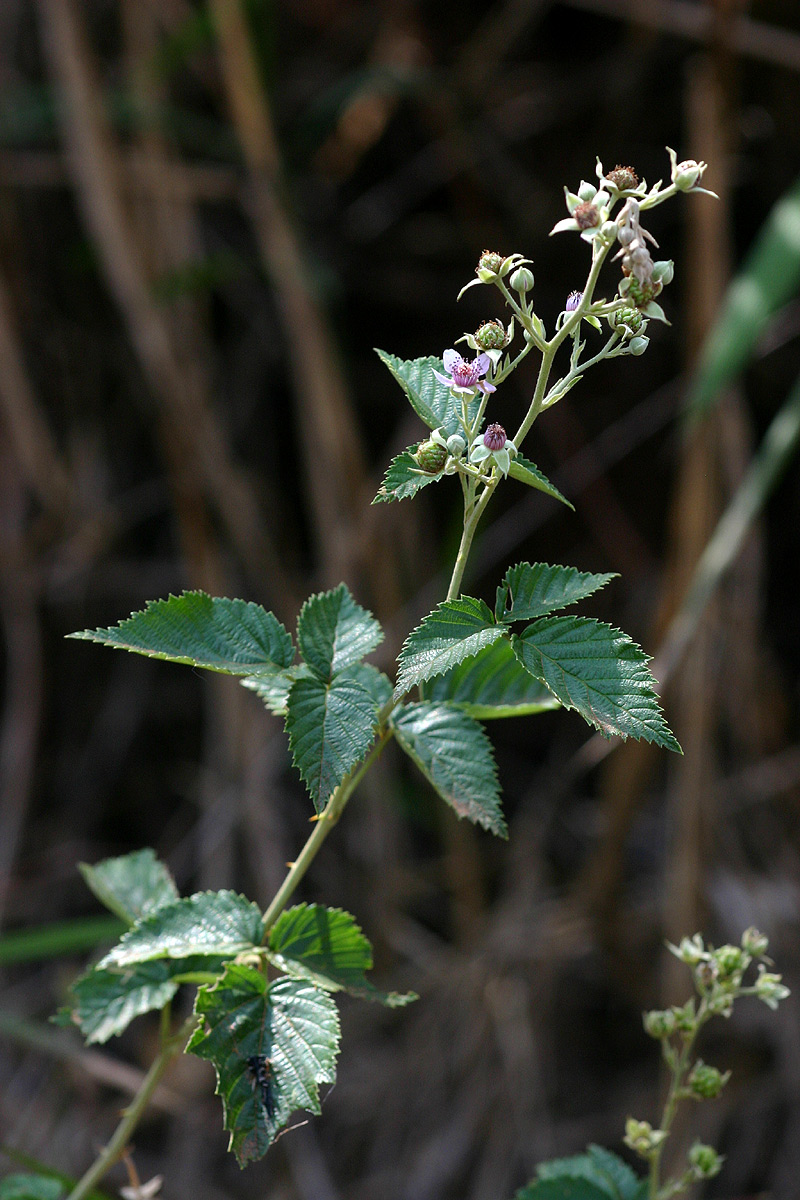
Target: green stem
[(678, 1070), (324, 824), (113, 1152), (472, 516)]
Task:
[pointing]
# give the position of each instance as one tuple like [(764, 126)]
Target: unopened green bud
[(755, 943), (706, 1083), (431, 457), (491, 335), (686, 174), (705, 1161), (660, 1023), (638, 345), (522, 280), (770, 989), (641, 1137), (587, 191), (729, 959), (663, 271), (685, 1018), (721, 1004)]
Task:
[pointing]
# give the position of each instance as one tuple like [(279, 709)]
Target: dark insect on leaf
[(259, 1068)]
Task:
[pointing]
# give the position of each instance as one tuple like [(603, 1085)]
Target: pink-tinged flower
[(465, 376), (495, 437), (573, 301)]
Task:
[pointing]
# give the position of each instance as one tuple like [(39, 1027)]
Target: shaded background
[(209, 215)]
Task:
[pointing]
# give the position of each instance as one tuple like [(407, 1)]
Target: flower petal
[(451, 359)]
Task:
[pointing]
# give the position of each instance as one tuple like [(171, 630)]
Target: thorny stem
[(171, 1045)]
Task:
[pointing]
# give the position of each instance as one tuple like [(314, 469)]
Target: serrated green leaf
[(530, 590), (456, 630), (563, 1188), (231, 636), (373, 681), (333, 632), (274, 690), (493, 684), (107, 1001), (292, 1025), (598, 1170), (330, 728), (527, 472), (455, 755), (769, 277), (219, 924), (598, 671), (625, 1181), (132, 886), (403, 478), (327, 947), (31, 1187), (427, 395)]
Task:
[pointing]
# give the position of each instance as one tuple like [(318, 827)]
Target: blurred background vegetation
[(209, 215)]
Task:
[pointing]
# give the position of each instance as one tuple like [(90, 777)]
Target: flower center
[(466, 374)]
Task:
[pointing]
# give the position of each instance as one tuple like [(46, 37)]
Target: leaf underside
[(493, 684)]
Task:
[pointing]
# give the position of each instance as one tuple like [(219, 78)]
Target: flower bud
[(638, 345), (623, 178), (494, 438), (729, 960), (706, 1083), (660, 1023), (456, 444), (686, 174), (770, 989), (685, 1018), (431, 457), (586, 215), (705, 1161), (491, 335), (663, 271), (522, 280), (641, 1137), (754, 943), (587, 191), (573, 301)]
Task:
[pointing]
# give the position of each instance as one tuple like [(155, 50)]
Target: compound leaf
[(530, 590), (455, 755), (274, 689), (330, 727), (455, 630), (327, 947), (106, 1001), (527, 472), (231, 636), (334, 632), (598, 671), (493, 684), (290, 1026), (132, 886), (404, 478), (220, 924)]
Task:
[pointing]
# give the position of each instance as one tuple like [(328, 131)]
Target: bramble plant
[(265, 1013)]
